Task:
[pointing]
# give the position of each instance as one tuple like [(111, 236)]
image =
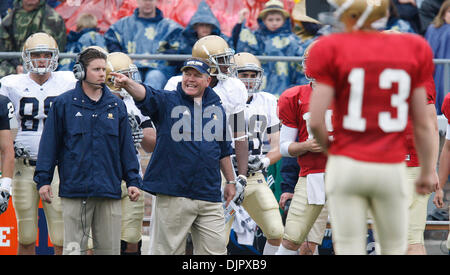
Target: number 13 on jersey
[(354, 120)]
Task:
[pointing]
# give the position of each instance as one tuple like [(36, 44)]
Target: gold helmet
[(38, 43), (119, 62), (215, 50), (358, 14), (248, 62)]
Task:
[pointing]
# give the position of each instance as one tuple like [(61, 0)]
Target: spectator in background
[(408, 10), (307, 29), (86, 35), (202, 23), (28, 17), (427, 11), (146, 32), (274, 37), (395, 22), (438, 36)]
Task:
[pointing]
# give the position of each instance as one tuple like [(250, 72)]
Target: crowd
[(88, 128), (148, 31)]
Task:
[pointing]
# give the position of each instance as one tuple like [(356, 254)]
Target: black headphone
[(79, 70)]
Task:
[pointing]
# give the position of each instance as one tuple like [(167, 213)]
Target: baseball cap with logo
[(196, 64)]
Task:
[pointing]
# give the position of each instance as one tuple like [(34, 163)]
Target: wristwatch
[(231, 182)]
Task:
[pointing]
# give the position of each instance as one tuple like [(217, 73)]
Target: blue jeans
[(155, 78)]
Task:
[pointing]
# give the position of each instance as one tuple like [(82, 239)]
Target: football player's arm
[(240, 142), (321, 99), (7, 153), (444, 170), (424, 144), (430, 111), (136, 90), (148, 143), (274, 140)]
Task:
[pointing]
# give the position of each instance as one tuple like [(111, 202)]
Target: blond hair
[(86, 21), (438, 21)]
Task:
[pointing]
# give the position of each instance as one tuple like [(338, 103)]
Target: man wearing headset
[(87, 134)]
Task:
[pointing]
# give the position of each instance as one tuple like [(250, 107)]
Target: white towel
[(244, 227), (315, 188)]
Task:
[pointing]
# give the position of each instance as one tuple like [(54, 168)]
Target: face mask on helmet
[(40, 60), (251, 76), (223, 65)]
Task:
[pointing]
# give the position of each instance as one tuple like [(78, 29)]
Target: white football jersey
[(261, 118), (232, 93), (32, 103)]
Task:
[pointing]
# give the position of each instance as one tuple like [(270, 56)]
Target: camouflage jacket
[(19, 24)]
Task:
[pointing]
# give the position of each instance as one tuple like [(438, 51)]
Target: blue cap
[(197, 64)]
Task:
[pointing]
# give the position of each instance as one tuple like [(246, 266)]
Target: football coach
[(184, 172)]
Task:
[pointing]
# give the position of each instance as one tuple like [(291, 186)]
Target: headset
[(79, 70)]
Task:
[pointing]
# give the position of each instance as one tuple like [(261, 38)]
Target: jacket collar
[(80, 98)]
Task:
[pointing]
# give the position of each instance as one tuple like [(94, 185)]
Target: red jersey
[(373, 75), (446, 107), (411, 156), (293, 111)]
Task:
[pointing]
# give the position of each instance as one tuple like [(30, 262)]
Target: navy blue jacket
[(190, 166), (92, 145)]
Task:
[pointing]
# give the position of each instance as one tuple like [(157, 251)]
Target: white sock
[(270, 249), (284, 251)]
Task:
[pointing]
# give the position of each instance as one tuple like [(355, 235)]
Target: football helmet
[(305, 57), (119, 62), (248, 62), (38, 43), (220, 57), (358, 14)]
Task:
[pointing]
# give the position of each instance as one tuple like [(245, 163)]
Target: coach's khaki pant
[(26, 202), (174, 217), (102, 214), (305, 222), (354, 187)]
